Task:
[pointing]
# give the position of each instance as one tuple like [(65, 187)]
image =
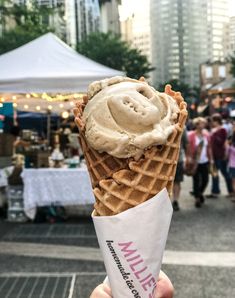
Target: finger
[(107, 290), (164, 288)]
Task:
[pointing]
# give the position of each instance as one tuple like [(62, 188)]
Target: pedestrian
[(179, 175), (231, 162), (218, 146), (226, 123), (199, 154), (164, 289)]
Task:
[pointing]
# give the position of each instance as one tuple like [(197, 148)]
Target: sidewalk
[(63, 260)]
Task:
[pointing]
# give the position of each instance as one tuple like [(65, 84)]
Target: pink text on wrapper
[(139, 269)]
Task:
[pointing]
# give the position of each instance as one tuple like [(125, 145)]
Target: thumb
[(164, 287)]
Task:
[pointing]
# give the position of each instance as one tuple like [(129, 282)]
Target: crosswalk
[(187, 258)]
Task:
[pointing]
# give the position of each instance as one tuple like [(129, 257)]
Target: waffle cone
[(120, 184)]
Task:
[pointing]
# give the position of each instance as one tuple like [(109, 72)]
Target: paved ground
[(63, 260)]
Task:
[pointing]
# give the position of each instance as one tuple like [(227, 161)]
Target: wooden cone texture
[(120, 184), (100, 165)]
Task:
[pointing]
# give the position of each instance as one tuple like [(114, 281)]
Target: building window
[(208, 72), (222, 71)]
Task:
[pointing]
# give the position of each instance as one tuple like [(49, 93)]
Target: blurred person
[(208, 123), (228, 126), (231, 161), (179, 175), (218, 147), (199, 154), (164, 289)]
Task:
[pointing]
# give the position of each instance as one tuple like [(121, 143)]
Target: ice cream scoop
[(123, 117)]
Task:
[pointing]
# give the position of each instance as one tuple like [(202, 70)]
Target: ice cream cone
[(120, 184)]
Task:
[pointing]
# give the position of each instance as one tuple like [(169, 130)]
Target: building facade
[(186, 33), (109, 16), (229, 38), (72, 20), (82, 18), (212, 73), (56, 19), (217, 19), (135, 24)]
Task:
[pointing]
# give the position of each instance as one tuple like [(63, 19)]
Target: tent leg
[(49, 128)]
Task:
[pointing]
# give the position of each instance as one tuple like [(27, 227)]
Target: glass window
[(222, 71), (208, 72)]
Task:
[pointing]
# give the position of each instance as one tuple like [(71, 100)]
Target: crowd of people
[(207, 149)]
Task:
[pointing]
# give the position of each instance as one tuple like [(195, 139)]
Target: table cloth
[(62, 186)]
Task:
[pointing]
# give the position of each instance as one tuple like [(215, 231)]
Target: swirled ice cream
[(123, 117)]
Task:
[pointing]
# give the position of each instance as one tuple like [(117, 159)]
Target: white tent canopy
[(47, 64)]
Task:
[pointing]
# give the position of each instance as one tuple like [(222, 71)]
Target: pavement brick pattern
[(64, 261)]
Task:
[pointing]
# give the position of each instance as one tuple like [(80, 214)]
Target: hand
[(102, 291), (164, 289)]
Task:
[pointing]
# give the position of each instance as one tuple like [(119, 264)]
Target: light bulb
[(65, 115)]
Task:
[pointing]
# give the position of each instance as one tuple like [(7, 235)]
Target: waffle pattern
[(120, 184), (143, 179), (100, 165)]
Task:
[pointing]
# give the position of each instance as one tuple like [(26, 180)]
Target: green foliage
[(186, 91), (110, 50), (22, 24)]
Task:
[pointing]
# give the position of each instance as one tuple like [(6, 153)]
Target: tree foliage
[(21, 24), (110, 50), (186, 91)]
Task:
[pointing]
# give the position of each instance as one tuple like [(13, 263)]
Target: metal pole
[(48, 127)]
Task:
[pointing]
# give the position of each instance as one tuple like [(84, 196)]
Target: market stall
[(39, 83), (47, 64)]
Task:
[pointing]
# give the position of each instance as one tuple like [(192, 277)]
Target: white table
[(43, 187)]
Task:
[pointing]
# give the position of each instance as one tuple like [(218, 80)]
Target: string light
[(78, 95), (35, 95), (58, 101), (65, 115)]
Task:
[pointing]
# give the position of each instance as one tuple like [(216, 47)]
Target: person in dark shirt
[(218, 146)]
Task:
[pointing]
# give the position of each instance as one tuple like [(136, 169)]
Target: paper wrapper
[(132, 244)]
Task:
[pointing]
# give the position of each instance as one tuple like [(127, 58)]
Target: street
[(63, 260)]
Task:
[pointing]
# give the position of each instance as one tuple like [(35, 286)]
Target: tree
[(185, 89), (25, 24), (110, 50)]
